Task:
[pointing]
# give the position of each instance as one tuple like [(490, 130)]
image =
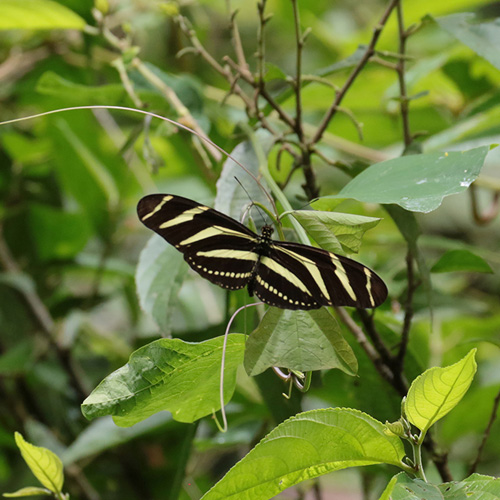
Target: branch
[(400, 68), (360, 337), (405, 333), (486, 434), (370, 50)]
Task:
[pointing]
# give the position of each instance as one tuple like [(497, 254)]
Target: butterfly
[(280, 273)]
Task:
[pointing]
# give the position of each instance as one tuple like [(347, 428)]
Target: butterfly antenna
[(252, 204)]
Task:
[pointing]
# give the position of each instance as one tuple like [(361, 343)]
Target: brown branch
[(405, 333), (379, 364), (400, 68), (486, 434), (370, 50)]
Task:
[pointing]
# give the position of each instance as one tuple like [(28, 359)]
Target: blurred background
[(70, 239)]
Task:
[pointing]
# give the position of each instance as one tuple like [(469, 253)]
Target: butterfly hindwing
[(214, 245), (333, 280)]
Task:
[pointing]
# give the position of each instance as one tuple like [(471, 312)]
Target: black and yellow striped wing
[(282, 274), (313, 277), (214, 245)]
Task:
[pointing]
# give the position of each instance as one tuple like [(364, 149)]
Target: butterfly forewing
[(214, 245), (283, 274)]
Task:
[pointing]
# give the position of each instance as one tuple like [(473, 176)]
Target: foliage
[(382, 114)]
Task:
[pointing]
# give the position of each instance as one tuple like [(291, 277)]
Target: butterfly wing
[(296, 276), (216, 246)]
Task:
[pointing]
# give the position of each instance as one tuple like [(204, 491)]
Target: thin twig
[(298, 72), (485, 217), (362, 340), (486, 434), (355, 72), (405, 333), (400, 68)]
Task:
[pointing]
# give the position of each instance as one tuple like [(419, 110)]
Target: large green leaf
[(333, 231), (168, 374), (416, 182), (159, 276), (438, 390), (37, 15), (306, 446), (482, 38), (298, 340), (45, 465), (477, 486)]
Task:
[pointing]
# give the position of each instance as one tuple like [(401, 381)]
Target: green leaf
[(306, 446), (482, 38), (38, 15), (478, 487), (102, 434), (159, 276), (168, 374), (57, 234), (45, 465), (438, 390), (333, 231), (231, 197), (416, 182), (95, 169), (29, 491), (461, 260), (298, 340)]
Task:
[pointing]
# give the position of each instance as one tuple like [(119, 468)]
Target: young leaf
[(306, 446), (159, 276), (168, 374), (298, 340), (29, 491), (38, 15), (45, 465), (417, 182), (461, 260), (402, 487), (438, 390), (335, 232)]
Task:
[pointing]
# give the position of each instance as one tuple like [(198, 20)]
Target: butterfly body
[(280, 273)]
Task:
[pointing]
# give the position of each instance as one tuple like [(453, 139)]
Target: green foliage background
[(70, 239)]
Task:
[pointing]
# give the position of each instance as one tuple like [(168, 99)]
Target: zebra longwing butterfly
[(280, 273)]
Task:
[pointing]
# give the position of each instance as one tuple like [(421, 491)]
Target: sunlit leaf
[(306, 446), (168, 374), (37, 15), (461, 260), (29, 491), (438, 390), (45, 465), (298, 340)]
